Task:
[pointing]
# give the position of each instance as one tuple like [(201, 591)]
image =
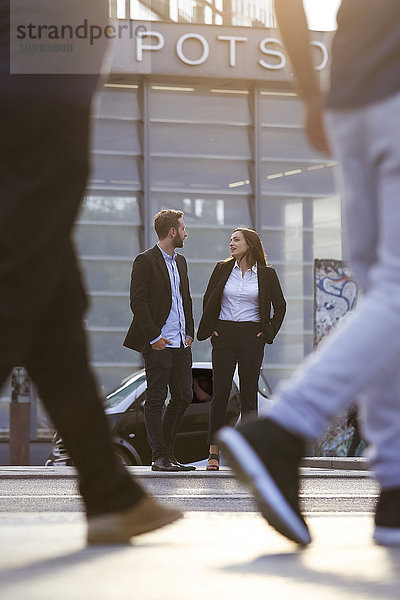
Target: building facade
[(195, 120), (198, 113)]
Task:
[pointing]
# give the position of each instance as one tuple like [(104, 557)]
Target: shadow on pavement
[(38, 569), (292, 567)]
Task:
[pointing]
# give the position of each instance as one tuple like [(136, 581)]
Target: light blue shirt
[(174, 328)]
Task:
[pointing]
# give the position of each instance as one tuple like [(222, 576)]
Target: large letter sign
[(140, 46), (203, 42)]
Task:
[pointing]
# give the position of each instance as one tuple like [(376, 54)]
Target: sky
[(321, 14)]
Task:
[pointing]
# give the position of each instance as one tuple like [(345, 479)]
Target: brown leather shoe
[(117, 528)]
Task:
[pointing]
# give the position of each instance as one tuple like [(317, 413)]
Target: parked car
[(124, 407)]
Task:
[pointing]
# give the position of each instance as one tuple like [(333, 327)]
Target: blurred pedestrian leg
[(360, 359), (43, 173)]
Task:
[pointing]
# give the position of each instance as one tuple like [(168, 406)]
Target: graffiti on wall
[(335, 295)]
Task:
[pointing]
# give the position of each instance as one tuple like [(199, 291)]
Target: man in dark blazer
[(162, 329)]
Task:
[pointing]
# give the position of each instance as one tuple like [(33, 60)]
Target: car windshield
[(123, 390), (263, 386)]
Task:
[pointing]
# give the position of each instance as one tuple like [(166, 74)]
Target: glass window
[(199, 275), (297, 177), (327, 212), (116, 135), (201, 174), (109, 311), (280, 108), (280, 211), (118, 171), (197, 312), (198, 105), (327, 243), (106, 347), (107, 240), (205, 209), (112, 275), (200, 140), (207, 244), (290, 244), (289, 348), (296, 279), (117, 102), (101, 206), (299, 314), (285, 143)]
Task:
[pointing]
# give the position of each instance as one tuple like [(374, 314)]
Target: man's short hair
[(164, 220)]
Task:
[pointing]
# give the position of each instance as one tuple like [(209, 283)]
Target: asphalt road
[(321, 491), (222, 548)]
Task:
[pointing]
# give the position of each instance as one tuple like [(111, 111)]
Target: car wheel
[(124, 457)]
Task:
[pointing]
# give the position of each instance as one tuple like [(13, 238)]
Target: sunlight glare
[(321, 14)]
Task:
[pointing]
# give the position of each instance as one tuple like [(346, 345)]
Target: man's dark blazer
[(151, 298), (270, 293)]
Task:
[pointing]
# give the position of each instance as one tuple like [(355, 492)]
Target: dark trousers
[(237, 343), (43, 168), (170, 367)]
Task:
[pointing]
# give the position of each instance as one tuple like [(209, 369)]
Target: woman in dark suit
[(237, 316)]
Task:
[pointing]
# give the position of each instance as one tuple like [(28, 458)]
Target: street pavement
[(223, 554), (54, 489)]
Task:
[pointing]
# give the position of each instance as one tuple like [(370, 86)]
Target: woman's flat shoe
[(213, 467)]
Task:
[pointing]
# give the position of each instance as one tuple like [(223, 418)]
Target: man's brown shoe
[(117, 528)]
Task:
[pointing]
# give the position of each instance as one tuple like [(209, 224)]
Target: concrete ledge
[(354, 463), (313, 462)]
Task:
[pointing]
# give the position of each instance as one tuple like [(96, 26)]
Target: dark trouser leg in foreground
[(43, 168), (116, 505), (58, 364)]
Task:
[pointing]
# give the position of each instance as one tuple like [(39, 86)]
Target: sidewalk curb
[(312, 462), (354, 463)]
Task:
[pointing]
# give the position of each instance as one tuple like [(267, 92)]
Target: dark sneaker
[(266, 458), (387, 518)]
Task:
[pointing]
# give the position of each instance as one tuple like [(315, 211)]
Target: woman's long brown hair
[(256, 253)]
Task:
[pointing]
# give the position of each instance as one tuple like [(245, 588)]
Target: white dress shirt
[(240, 296)]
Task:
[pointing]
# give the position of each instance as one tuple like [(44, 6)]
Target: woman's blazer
[(270, 293)]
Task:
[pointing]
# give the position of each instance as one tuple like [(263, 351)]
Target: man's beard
[(179, 242)]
